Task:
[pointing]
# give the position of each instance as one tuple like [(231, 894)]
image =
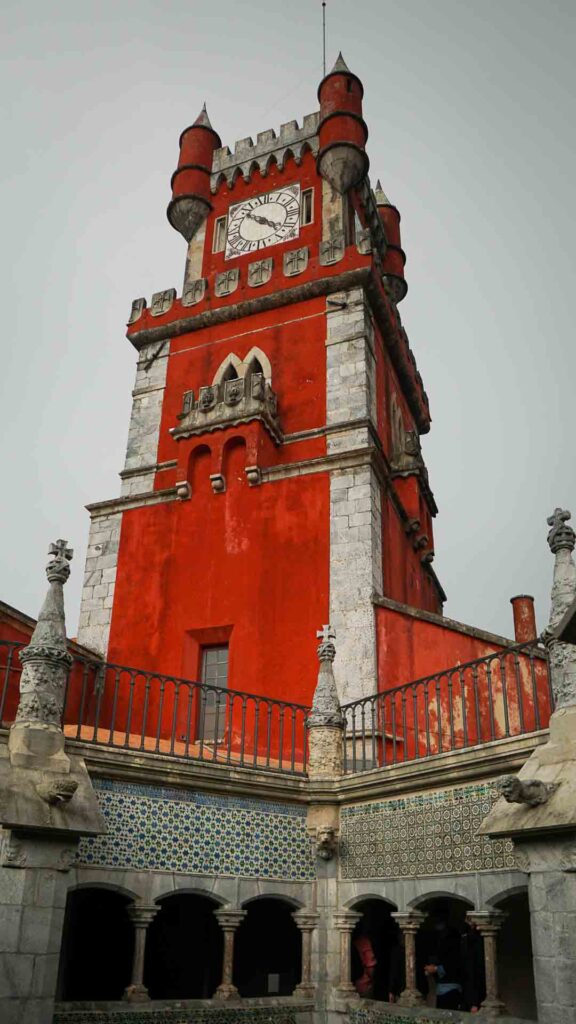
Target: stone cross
[(326, 633), (61, 549)]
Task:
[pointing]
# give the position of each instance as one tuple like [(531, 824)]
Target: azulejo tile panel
[(428, 834), (184, 1015), (161, 829)]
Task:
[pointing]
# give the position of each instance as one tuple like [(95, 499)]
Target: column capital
[(229, 919), (344, 920), (488, 922), (306, 919), (141, 914), (409, 921)]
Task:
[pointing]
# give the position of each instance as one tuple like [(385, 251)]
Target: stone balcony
[(229, 403)]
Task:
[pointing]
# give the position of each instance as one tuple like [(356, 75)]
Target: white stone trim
[(144, 430), (99, 582), (355, 492)]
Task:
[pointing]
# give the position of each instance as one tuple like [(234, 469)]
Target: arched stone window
[(268, 949)]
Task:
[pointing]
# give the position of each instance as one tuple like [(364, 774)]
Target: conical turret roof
[(381, 197), (203, 121)]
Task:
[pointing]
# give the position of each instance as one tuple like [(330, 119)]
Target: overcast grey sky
[(470, 107)]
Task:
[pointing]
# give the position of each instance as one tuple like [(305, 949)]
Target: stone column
[(228, 921), (325, 722), (489, 923), (47, 803), (141, 915), (409, 924), (345, 921), (306, 921)]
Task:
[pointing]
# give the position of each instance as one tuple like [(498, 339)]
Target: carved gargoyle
[(326, 843), (56, 789), (531, 792)]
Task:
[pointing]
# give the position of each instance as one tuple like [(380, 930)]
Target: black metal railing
[(116, 706), (505, 694)]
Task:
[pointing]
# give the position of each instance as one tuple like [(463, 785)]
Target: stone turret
[(561, 541), (191, 202), (342, 158), (395, 258)]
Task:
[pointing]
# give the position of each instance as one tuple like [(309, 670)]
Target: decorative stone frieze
[(194, 292), (226, 282), (229, 403), (162, 302), (295, 262), (260, 272)]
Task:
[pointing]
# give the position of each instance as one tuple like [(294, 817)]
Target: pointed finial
[(203, 121), (380, 195), (340, 64)]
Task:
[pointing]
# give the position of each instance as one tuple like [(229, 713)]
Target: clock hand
[(264, 220)]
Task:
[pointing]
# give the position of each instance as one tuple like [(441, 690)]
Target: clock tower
[(274, 479)]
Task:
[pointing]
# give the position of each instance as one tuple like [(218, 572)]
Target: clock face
[(262, 221)]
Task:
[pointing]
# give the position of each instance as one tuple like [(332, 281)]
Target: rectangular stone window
[(219, 240), (214, 711), (307, 207)]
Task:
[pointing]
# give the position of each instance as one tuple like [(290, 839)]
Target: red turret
[(191, 204), (342, 159), (395, 258)]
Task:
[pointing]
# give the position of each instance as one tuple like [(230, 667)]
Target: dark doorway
[(184, 949), (267, 950), (97, 946), (377, 955), (440, 942), (515, 968)]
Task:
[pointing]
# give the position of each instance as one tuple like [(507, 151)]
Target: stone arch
[(270, 162), (268, 947), (220, 180), (503, 894), (257, 353), (438, 894), (231, 361), (292, 901), (95, 883), (363, 896), (184, 946), (193, 890), (288, 152), (376, 953), (97, 944), (516, 986)]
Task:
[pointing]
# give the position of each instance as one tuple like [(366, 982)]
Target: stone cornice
[(439, 772)]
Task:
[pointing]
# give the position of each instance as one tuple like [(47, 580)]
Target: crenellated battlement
[(269, 148)]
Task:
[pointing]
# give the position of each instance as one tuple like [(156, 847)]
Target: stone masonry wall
[(99, 582), (355, 498), (143, 433)]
